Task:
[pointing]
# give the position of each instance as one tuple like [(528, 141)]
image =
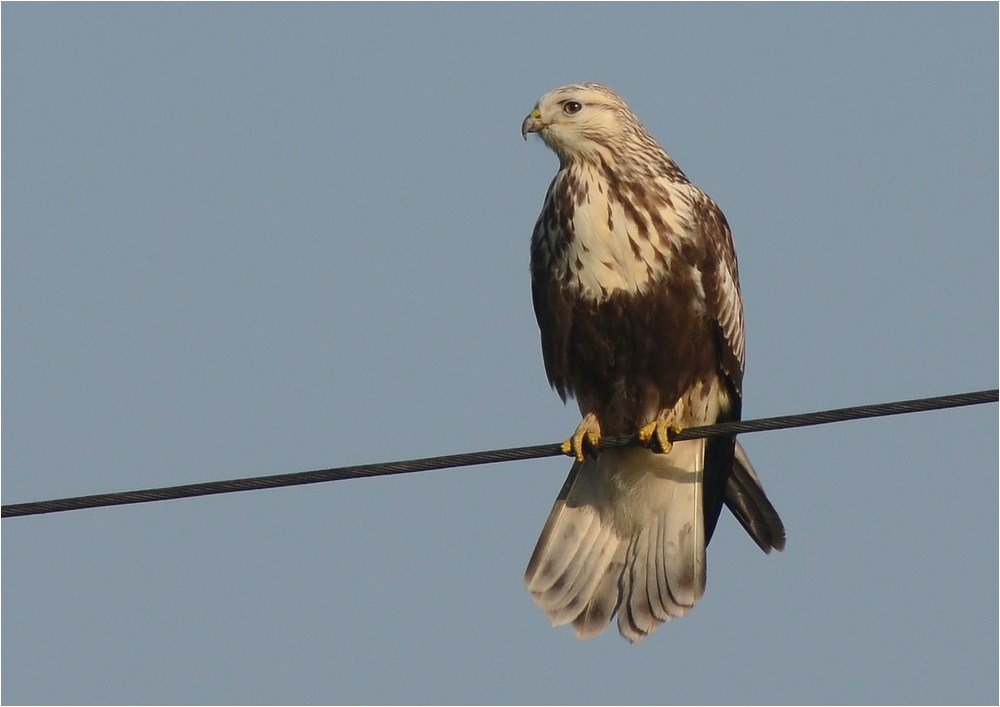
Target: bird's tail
[(626, 534)]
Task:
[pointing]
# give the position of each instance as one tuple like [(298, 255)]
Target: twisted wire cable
[(487, 457)]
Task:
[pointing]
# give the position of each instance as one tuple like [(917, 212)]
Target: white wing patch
[(730, 313)]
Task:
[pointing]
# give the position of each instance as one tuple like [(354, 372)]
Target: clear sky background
[(252, 239)]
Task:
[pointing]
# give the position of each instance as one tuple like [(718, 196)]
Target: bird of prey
[(636, 291)]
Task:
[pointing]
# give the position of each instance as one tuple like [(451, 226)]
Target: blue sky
[(250, 239)]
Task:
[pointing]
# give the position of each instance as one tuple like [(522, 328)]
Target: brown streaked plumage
[(636, 291)]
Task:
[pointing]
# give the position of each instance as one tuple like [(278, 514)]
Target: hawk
[(636, 292)]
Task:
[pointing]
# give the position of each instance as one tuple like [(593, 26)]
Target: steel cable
[(487, 457)]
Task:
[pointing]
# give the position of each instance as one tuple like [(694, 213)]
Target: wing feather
[(721, 285)]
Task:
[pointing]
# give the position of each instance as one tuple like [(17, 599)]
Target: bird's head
[(582, 121)]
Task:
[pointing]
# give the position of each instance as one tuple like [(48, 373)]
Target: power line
[(487, 457)]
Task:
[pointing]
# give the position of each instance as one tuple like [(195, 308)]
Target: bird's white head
[(582, 121)]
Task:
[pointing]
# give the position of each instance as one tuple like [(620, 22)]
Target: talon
[(656, 435), (585, 440)]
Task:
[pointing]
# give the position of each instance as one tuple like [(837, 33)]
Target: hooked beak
[(533, 123)]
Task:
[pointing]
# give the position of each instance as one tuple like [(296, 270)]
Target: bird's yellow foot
[(585, 440), (656, 435)]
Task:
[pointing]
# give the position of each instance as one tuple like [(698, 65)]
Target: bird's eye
[(571, 107)]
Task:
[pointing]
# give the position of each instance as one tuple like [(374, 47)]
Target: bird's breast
[(607, 237)]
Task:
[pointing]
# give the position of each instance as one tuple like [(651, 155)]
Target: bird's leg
[(585, 439), (656, 435)]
